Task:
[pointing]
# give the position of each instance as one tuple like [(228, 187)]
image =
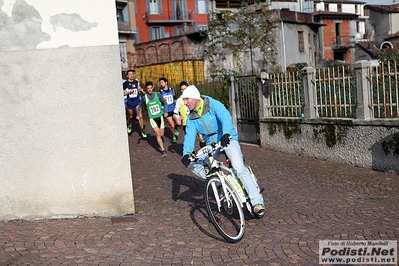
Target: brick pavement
[(307, 200)]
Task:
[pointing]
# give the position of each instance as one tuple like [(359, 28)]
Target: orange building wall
[(330, 34), (143, 28)]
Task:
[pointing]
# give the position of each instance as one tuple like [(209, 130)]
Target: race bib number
[(169, 99), (134, 93), (154, 110)]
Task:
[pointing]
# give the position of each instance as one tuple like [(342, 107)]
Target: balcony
[(169, 18), (343, 42), (124, 27)]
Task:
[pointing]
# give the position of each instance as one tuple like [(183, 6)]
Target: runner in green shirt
[(156, 106)]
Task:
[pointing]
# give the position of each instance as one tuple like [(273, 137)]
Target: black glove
[(225, 140), (202, 144), (185, 160)]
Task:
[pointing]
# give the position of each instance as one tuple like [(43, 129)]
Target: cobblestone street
[(307, 200)]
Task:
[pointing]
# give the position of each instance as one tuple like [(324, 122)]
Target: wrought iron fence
[(336, 92), (385, 90), (286, 94), (247, 98)]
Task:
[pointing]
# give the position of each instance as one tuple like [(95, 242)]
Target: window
[(119, 15), (154, 6), (301, 42), (178, 9), (179, 30), (157, 33), (201, 6), (338, 33)]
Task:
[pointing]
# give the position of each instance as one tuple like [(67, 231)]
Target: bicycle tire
[(229, 221)]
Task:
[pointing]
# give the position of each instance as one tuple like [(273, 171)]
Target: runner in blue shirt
[(169, 95), (132, 89)]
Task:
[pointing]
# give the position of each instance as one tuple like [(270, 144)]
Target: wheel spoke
[(229, 221)]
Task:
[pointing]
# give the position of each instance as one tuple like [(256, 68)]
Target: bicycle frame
[(215, 164), (217, 167)]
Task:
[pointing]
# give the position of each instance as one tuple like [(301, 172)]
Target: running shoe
[(174, 140), (143, 135), (164, 154), (176, 132), (129, 130), (259, 210)]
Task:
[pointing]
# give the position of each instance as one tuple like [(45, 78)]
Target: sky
[(379, 2)]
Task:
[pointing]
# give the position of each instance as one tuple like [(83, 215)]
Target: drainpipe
[(284, 63), (390, 23)]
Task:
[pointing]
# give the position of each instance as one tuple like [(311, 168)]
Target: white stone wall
[(64, 149), (360, 143)]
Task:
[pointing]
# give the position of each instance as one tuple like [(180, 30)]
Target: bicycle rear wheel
[(229, 221)]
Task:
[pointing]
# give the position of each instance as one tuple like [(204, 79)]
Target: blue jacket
[(212, 125)]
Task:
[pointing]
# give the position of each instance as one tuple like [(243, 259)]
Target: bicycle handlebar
[(206, 150)]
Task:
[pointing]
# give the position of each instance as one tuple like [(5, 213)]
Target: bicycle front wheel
[(228, 218)]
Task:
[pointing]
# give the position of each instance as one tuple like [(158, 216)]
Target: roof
[(339, 1), (371, 47), (392, 36), (384, 8)]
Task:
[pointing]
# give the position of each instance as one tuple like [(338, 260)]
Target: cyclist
[(213, 121)]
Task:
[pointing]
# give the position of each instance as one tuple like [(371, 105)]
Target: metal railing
[(343, 41), (385, 90), (334, 92), (124, 26), (286, 95), (168, 16)]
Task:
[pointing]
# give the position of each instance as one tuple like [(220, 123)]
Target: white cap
[(191, 92)]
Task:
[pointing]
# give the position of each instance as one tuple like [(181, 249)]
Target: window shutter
[(137, 36), (151, 33), (160, 6), (162, 31), (185, 10)]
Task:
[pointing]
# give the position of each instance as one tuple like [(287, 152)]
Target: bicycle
[(224, 194)]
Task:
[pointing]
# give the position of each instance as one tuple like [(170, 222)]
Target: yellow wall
[(175, 72)]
